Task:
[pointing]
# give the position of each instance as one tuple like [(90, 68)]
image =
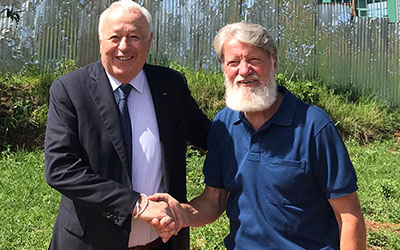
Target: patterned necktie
[(123, 91)]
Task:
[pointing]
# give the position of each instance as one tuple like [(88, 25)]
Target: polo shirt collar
[(284, 116)]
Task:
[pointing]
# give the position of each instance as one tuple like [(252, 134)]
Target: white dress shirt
[(146, 150)]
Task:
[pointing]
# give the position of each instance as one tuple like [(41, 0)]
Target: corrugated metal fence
[(315, 40)]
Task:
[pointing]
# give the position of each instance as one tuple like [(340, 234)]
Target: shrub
[(307, 91), (24, 105), (365, 118), (365, 121), (25, 96), (207, 89)]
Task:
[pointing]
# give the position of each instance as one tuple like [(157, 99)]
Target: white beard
[(251, 99)]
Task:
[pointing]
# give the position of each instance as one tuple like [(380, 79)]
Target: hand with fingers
[(165, 230), (159, 211)]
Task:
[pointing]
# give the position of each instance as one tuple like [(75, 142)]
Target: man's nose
[(123, 44), (244, 68)]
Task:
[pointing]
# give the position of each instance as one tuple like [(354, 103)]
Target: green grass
[(210, 236), (28, 206), (378, 170)]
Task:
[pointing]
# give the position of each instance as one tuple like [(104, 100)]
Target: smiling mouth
[(124, 58), (250, 81)]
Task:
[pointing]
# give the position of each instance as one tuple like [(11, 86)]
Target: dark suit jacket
[(86, 161)]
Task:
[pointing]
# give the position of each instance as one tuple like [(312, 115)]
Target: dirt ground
[(376, 226)]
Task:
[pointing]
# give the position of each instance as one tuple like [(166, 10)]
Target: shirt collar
[(284, 116), (137, 82)]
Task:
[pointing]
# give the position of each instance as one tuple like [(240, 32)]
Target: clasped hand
[(165, 214)]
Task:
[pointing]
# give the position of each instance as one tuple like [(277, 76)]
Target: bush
[(307, 91), (207, 88), (364, 119), (25, 97), (24, 105)]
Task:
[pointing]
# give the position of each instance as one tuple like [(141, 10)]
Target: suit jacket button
[(124, 232)]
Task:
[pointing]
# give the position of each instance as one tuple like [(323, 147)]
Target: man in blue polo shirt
[(277, 165)]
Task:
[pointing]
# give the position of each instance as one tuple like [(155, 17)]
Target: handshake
[(164, 213), (168, 216)]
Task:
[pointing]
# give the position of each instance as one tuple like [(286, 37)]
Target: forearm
[(198, 213), (204, 209), (353, 234), (350, 221)]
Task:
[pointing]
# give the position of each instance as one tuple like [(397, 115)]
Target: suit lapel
[(103, 97), (159, 94)]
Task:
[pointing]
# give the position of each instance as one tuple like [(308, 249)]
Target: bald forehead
[(120, 13)]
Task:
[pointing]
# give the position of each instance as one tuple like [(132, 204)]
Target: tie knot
[(125, 89)]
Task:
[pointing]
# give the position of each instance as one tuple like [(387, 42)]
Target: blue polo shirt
[(280, 177)]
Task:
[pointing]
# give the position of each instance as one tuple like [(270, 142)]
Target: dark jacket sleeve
[(68, 169)]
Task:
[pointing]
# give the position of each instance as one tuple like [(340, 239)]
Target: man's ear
[(275, 60), (150, 39), (99, 36)]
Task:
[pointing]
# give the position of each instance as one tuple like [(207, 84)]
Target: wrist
[(141, 205), (184, 218)]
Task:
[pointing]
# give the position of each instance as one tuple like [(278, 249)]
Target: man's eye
[(254, 60), (114, 38), (134, 38), (233, 63)]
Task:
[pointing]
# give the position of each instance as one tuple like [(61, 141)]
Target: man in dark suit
[(103, 171)]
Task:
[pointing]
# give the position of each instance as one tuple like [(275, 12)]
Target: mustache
[(251, 77)]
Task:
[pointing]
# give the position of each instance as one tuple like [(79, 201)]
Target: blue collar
[(284, 116)]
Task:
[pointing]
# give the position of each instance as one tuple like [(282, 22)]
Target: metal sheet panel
[(317, 41)]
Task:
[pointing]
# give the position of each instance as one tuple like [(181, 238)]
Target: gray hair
[(127, 5), (254, 34)]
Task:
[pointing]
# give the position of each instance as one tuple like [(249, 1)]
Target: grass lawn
[(28, 205), (378, 171)]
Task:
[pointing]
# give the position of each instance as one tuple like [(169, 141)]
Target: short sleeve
[(213, 165), (333, 167)]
